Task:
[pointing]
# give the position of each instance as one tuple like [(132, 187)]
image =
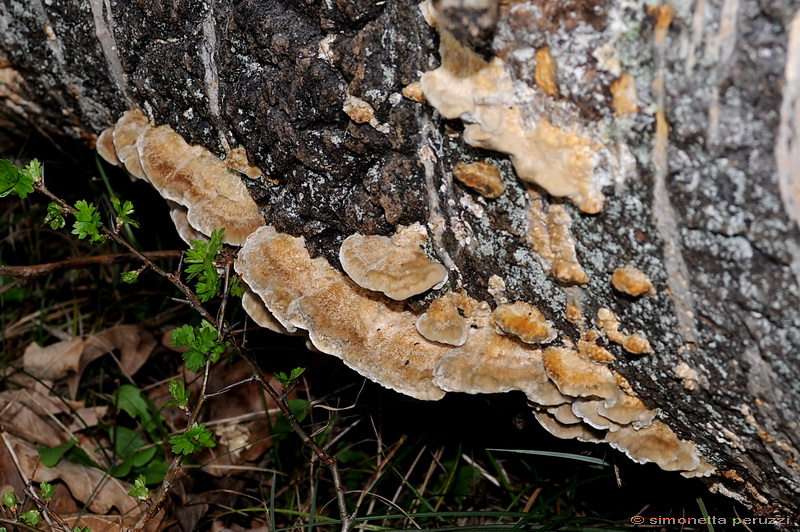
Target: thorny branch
[(326, 458)]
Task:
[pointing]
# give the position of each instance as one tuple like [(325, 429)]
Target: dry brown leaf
[(92, 487), (27, 414), (54, 361), (134, 343), (10, 479)]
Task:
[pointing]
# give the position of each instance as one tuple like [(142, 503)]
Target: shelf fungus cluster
[(361, 315), (457, 345), (204, 193)]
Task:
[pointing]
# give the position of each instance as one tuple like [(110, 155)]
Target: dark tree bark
[(693, 105)]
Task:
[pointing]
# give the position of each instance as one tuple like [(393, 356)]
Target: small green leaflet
[(16, 181), (201, 260), (180, 395), (139, 490), (9, 499), (31, 517), (34, 170), (237, 287), (286, 380), (87, 222), (124, 211), (48, 490), (193, 440), (131, 276), (202, 343), (55, 216)]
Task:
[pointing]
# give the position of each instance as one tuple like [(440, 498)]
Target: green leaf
[(202, 343), (31, 517), (50, 456), (180, 395), (130, 399), (14, 181), (130, 277), (87, 222), (201, 264), (10, 499), (124, 211), (286, 380), (55, 216), (47, 489), (192, 440), (34, 170), (237, 287), (139, 490)]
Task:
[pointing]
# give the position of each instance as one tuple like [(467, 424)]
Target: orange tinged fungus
[(545, 72), (524, 321), (482, 177), (442, 323), (623, 94), (632, 281)]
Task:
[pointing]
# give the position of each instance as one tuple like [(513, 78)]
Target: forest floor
[(86, 366)]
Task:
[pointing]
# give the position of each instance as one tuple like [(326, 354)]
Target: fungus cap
[(524, 321), (442, 323), (395, 266), (481, 176), (105, 147), (656, 443), (578, 377), (126, 132), (632, 281), (214, 196)]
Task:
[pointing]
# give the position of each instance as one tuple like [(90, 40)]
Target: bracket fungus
[(632, 343), (524, 321), (442, 323), (125, 133), (550, 237), (396, 266), (458, 344), (213, 195), (632, 281), (482, 177)]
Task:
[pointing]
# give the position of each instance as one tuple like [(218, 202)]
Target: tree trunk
[(662, 138)]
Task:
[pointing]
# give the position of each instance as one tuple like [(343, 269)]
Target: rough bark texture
[(703, 211)]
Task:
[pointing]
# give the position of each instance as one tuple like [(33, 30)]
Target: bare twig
[(37, 270)]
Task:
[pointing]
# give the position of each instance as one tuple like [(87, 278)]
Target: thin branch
[(37, 270)]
